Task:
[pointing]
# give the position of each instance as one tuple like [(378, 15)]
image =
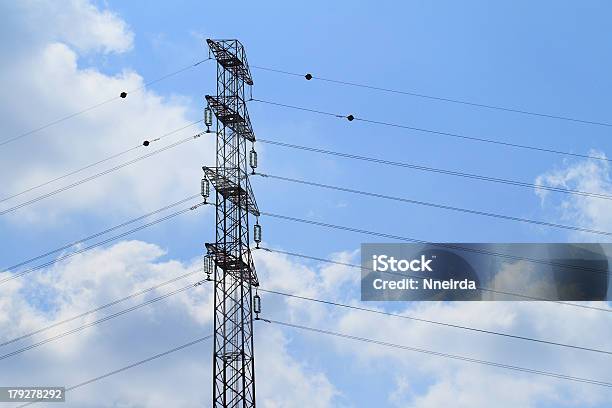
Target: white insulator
[(253, 159), (209, 266), (257, 234), (208, 116), (205, 188), (257, 304)]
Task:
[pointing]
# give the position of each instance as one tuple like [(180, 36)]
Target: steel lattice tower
[(229, 259)]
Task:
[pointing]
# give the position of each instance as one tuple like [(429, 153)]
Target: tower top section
[(231, 56)]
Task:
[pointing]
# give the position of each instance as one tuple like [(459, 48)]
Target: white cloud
[(280, 372), (586, 175), (179, 380), (448, 379), (470, 388), (285, 380), (524, 278), (77, 23), (49, 83), (430, 381), (424, 381)]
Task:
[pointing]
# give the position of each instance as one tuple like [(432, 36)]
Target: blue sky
[(500, 55), (535, 57), (549, 57)]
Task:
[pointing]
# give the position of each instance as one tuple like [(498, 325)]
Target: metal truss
[(229, 257)]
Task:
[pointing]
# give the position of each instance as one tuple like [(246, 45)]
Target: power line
[(185, 68), (327, 302), (437, 244), (179, 202), (436, 205), (183, 276), (436, 132), (69, 174), (437, 170), (98, 321), (444, 355), (95, 176), (97, 244), (14, 266), (97, 234), (125, 368), (401, 274), (438, 323), (113, 156), (437, 98), (97, 309), (318, 301), (97, 105), (267, 249)]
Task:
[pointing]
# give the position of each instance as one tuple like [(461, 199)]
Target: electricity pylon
[(229, 258)]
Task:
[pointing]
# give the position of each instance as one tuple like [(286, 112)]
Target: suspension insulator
[(205, 189), (257, 234), (253, 159), (208, 118), (257, 305), (209, 266)]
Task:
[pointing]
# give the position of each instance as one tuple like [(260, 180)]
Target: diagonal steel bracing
[(229, 256)]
